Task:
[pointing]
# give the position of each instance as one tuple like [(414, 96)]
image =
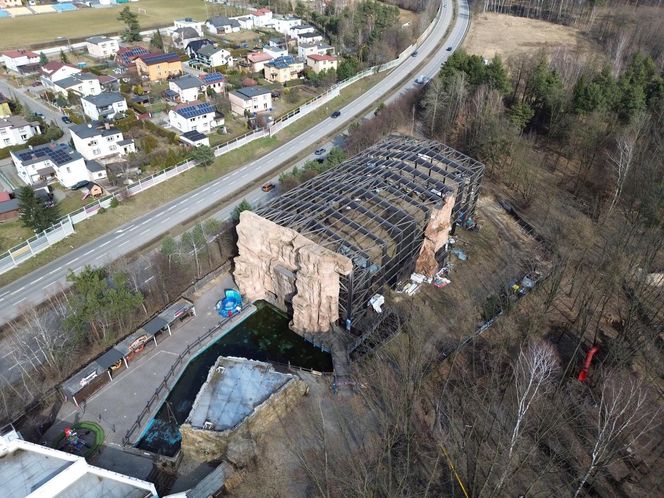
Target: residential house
[(5, 4), (245, 22), (159, 66), (195, 116), (95, 141), (301, 29), (214, 81), (220, 24), (262, 18), (106, 105), (195, 45), (320, 63), (275, 52), (253, 99), (257, 60), (54, 71), (15, 130), (20, 61), (109, 83), (126, 56), (314, 37), (82, 84), (186, 87), (8, 206), (283, 69), (50, 162), (304, 50), (4, 106), (181, 37), (102, 47), (212, 56), (188, 22), (283, 24)]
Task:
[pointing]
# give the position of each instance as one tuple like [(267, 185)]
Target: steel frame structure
[(374, 209)]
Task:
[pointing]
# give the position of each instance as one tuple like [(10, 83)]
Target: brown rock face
[(281, 266), (436, 235)]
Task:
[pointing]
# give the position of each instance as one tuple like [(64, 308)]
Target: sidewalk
[(116, 405)]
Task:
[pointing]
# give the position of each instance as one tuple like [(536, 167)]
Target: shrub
[(114, 202)]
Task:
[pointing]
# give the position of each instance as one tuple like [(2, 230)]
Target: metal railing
[(173, 372)]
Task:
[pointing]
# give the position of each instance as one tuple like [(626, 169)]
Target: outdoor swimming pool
[(263, 336)]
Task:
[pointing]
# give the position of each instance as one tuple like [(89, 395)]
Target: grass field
[(499, 34), (43, 28)]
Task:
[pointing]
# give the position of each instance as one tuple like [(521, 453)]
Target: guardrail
[(65, 226)]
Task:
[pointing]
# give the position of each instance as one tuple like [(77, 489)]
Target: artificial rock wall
[(281, 266), (436, 235), (209, 445)]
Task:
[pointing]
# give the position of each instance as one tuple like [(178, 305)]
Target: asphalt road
[(45, 281), (33, 103)]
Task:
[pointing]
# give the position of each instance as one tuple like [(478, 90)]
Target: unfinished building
[(323, 249)]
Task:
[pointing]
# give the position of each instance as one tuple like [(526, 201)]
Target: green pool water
[(263, 336)]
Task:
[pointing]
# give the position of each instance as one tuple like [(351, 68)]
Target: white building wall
[(84, 88), (17, 136), (202, 124), (13, 63), (98, 147), (92, 111), (103, 50)]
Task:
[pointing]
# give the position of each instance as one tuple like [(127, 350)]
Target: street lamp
[(68, 42)]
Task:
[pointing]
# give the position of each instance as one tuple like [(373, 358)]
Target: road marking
[(54, 271), (38, 279), (4, 294), (17, 290), (149, 279), (125, 242), (74, 260), (52, 283), (19, 301), (105, 243), (165, 219), (200, 200), (146, 221), (206, 188), (89, 252)]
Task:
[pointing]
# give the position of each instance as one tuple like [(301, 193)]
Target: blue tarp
[(230, 304)]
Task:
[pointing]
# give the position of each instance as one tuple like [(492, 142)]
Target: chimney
[(107, 126)]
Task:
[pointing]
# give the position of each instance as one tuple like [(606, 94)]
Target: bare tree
[(623, 417)]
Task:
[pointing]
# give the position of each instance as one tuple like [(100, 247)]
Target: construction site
[(323, 250)]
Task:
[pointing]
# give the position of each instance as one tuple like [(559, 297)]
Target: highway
[(34, 288)]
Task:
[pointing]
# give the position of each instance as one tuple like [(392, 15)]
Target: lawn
[(23, 31), (13, 233)]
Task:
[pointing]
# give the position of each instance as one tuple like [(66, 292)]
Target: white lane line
[(206, 188), (19, 301), (125, 242), (17, 290), (38, 279), (74, 260), (54, 271), (89, 252), (105, 243), (149, 279), (52, 283), (4, 294), (165, 219), (200, 200), (146, 221)]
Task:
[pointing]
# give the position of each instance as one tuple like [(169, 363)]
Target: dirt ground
[(505, 35)]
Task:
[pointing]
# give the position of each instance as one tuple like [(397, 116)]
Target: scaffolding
[(374, 209)]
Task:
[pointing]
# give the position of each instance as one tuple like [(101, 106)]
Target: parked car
[(336, 114), (414, 54), (79, 185), (449, 49), (320, 152), (421, 80), (66, 120), (267, 187), (39, 115)]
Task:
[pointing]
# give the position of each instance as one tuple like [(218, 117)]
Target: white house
[(102, 47), (314, 37), (15, 130), (304, 50), (82, 83), (283, 24), (213, 81), (275, 52), (212, 56), (14, 60), (220, 24), (254, 99), (188, 22), (50, 162), (195, 116), (301, 29), (246, 22), (54, 71), (187, 87), (96, 142), (106, 105), (262, 17)]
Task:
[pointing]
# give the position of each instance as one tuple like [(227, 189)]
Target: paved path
[(34, 104), (116, 405), (34, 288)]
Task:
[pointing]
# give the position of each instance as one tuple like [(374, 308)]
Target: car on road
[(267, 187), (422, 80), (320, 152), (66, 120), (39, 115), (414, 54), (336, 114), (449, 49)]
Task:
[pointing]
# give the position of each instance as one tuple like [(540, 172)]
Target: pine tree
[(63, 57), (157, 41), (133, 31), (42, 59), (33, 211)]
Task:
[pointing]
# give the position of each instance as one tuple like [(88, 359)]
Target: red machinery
[(583, 374)]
